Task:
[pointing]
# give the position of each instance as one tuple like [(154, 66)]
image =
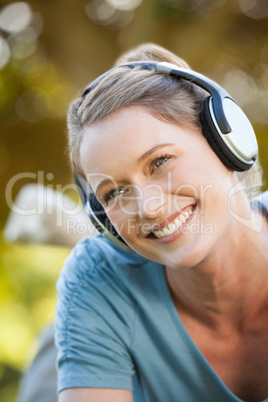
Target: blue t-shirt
[(117, 327)]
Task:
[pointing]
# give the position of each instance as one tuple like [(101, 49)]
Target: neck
[(230, 285)]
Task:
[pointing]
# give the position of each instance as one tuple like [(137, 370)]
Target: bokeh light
[(15, 17), (256, 9), (31, 84), (4, 52), (111, 14), (125, 5), (23, 44)]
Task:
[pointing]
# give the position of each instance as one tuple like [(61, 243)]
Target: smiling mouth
[(174, 225)]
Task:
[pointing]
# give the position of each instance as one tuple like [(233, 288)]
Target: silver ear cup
[(241, 141), (238, 148)]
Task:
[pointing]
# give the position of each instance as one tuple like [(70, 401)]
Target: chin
[(184, 262), (186, 256)]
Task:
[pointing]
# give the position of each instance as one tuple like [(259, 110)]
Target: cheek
[(210, 188), (197, 186), (198, 179), (124, 223)]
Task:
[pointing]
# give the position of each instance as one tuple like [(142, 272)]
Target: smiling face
[(161, 185)]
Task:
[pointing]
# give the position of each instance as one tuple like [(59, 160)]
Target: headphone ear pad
[(96, 206), (100, 214), (212, 135)]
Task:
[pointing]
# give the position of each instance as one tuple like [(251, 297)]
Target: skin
[(217, 273)]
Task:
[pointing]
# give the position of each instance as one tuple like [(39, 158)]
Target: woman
[(184, 318)]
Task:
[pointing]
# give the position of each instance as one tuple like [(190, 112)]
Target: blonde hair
[(166, 98)]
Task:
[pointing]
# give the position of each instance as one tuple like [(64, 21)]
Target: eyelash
[(107, 196), (157, 158)]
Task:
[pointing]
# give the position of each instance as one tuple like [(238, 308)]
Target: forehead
[(122, 138)]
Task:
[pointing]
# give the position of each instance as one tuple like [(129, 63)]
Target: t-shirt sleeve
[(94, 322)]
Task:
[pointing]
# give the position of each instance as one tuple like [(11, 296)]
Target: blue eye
[(160, 161), (116, 192), (110, 195)]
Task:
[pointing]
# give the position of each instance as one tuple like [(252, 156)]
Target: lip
[(171, 218), (166, 222)]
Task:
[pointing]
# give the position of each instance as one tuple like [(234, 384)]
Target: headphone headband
[(214, 89)]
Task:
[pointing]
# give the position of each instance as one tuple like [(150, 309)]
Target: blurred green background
[(49, 50)]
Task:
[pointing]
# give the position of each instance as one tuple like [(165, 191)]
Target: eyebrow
[(147, 153), (104, 182)]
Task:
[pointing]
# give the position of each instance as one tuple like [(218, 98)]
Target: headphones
[(224, 124)]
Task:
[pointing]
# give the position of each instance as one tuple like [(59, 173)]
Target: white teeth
[(173, 226), (182, 218), (166, 231), (178, 222)]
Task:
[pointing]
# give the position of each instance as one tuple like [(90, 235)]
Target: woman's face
[(161, 185)]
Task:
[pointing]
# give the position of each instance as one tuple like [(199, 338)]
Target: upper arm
[(94, 327), (95, 395)]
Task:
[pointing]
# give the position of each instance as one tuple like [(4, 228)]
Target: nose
[(151, 202)]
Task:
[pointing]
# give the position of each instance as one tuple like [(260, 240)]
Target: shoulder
[(95, 281), (96, 259), (95, 316)]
